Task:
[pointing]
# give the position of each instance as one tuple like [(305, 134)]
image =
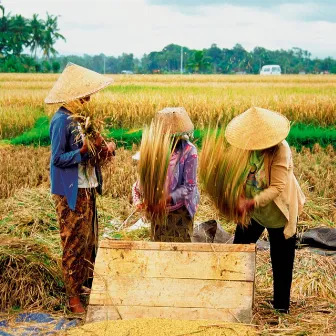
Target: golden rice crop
[(223, 170), (155, 151), (133, 100)]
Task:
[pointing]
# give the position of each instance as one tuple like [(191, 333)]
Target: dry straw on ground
[(30, 275), (313, 307), (223, 170)]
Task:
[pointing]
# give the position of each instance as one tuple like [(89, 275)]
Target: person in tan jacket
[(272, 194)]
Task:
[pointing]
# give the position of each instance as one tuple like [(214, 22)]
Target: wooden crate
[(189, 281)]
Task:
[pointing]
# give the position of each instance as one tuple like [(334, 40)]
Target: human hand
[(84, 149), (139, 206), (98, 140), (169, 200), (245, 205), (111, 146)]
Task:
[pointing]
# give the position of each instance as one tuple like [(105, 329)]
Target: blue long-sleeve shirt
[(65, 157)]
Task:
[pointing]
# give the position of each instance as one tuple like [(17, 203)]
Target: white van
[(268, 70)]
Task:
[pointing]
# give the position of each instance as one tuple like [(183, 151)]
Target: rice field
[(27, 214), (132, 100)]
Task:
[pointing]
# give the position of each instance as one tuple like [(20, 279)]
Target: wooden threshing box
[(188, 281)]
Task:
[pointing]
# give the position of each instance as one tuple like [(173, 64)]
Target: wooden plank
[(200, 247), (163, 292), (116, 263), (104, 313)]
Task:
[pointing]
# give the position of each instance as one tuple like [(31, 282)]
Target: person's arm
[(136, 194), (59, 157), (189, 178), (279, 177)]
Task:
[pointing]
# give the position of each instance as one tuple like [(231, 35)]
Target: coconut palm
[(50, 36), (19, 31), (199, 62), (36, 30)]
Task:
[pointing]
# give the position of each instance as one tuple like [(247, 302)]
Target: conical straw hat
[(175, 119), (76, 82), (257, 129)]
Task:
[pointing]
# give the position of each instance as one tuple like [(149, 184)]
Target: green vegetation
[(299, 136)]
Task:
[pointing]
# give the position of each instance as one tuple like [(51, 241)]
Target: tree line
[(27, 45), (209, 61), (21, 39)]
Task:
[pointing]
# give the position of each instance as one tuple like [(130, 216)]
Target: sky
[(141, 26)]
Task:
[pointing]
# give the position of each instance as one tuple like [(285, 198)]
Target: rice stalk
[(155, 151), (86, 119), (30, 275), (223, 172)]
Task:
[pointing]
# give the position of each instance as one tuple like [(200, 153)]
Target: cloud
[(305, 10), (243, 3), (134, 26)]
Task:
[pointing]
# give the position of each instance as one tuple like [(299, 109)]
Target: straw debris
[(30, 276)]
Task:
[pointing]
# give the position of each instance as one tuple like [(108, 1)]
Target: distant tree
[(199, 63), (50, 36), (215, 56), (56, 66), (4, 32), (46, 66), (126, 62), (37, 27), (19, 34)]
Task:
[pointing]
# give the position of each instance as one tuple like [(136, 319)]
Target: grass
[(301, 135)]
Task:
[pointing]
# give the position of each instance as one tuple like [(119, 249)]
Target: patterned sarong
[(176, 227), (79, 237)]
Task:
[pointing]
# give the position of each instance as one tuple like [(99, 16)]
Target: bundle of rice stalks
[(86, 118), (155, 151), (223, 172), (30, 276)]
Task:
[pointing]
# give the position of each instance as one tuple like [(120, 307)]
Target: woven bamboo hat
[(176, 120), (257, 129), (76, 82)]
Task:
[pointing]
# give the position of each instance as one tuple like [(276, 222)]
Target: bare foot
[(76, 306)]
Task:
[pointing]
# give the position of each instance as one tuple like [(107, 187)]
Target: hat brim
[(74, 83), (257, 129)]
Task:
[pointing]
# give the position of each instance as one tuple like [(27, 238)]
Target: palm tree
[(50, 36), (199, 62), (4, 28), (36, 29), (19, 31)]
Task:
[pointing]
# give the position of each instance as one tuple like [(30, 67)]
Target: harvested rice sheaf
[(155, 151), (163, 327), (223, 171), (30, 276)]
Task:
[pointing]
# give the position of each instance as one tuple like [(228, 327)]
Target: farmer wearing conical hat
[(272, 193), (181, 181), (74, 181)]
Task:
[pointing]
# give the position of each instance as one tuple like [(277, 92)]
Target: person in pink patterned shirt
[(181, 180)]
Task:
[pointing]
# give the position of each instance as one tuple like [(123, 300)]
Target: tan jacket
[(283, 187)]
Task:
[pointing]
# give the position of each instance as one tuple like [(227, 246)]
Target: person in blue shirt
[(75, 179)]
